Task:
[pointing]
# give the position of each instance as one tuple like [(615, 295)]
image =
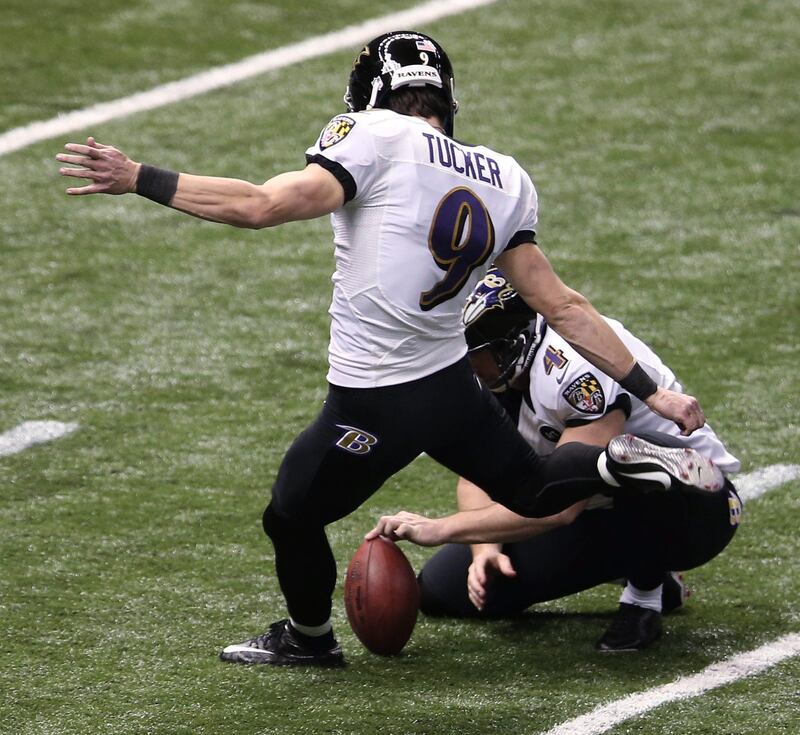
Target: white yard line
[(223, 76), (32, 432), (754, 484), (737, 667), (732, 669)]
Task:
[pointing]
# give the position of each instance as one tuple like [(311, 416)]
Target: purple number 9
[(460, 239)]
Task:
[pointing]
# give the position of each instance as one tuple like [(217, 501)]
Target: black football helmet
[(497, 318), (397, 59)]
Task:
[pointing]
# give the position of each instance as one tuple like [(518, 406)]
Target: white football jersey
[(567, 390), (424, 218)]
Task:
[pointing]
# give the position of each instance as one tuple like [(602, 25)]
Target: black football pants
[(641, 538), (364, 436)]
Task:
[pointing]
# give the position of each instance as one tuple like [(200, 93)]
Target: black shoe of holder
[(632, 629)]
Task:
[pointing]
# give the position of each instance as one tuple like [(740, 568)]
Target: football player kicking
[(556, 396), (417, 219)]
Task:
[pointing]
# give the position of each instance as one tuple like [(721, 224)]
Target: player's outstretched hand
[(485, 566), (410, 527), (109, 169), (683, 409)]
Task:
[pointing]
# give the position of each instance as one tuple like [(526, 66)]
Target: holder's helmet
[(496, 318), (399, 59)]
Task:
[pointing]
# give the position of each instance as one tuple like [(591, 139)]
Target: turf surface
[(663, 140)]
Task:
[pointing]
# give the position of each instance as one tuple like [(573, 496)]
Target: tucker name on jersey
[(474, 164)]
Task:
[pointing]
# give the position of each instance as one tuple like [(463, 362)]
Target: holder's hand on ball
[(410, 527)]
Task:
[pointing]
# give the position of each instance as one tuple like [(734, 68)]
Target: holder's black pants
[(641, 538)]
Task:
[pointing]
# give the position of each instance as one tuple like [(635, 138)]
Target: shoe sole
[(659, 465), (632, 649), (256, 656)]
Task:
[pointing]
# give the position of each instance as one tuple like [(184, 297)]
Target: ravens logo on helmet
[(497, 319)]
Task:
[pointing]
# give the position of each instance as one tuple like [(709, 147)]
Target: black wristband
[(157, 184), (638, 383)]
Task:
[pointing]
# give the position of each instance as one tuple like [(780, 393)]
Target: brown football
[(381, 596)]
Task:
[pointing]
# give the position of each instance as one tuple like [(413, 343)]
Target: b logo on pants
[(734, 508), (356, 441)]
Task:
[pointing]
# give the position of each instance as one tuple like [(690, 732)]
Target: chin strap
[(377, 86), (534, 339)]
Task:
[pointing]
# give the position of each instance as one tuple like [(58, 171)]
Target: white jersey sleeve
[(529, 207), (347, 150)]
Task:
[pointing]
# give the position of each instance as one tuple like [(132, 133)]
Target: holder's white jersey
[(424, 218), (566, 390)]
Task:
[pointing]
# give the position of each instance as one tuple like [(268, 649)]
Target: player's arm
[(470, 497), (576, 320), (492, 523), (597, 432), (503, 524), (484, 523), (290, 196), (488, 559)]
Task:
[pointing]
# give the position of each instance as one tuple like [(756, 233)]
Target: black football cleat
[(280, 647), (648, 466), (632, 629)]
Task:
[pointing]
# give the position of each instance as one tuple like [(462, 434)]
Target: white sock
[(312, 631), (650, 599)]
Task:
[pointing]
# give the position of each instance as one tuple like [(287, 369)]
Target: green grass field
[(664, 141)]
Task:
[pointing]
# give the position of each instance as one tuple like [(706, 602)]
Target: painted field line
[(724, 672), (223, 76), (32, 432), (754, 484)]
